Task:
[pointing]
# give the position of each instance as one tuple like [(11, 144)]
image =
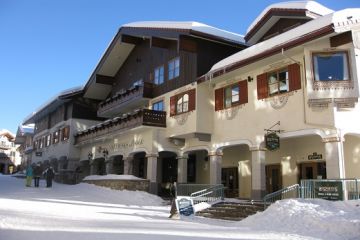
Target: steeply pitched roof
[(288, 10), (337, 22)]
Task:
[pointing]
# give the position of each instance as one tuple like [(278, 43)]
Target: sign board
[(315, 156), (184, 205), (329, 190), (272, 141)]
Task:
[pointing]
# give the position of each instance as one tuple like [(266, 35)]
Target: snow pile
[(315, 217), (112, 177)]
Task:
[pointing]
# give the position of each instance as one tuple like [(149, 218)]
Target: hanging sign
[(272, 141)]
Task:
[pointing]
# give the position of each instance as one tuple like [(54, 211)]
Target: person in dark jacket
[(49, 174), (37, 174)]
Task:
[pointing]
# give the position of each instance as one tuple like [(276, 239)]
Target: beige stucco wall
[(352, 156)]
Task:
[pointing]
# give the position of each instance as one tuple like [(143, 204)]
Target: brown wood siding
[(210, 53), (294, 77), (341, 39), (57, 116), (281, 26), (243, 85), (262, 86), (192, 99), (219, 99)]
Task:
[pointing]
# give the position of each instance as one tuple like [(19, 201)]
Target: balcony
[(125, 101), (143, 117)]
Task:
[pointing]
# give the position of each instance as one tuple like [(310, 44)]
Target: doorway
[(273, 178), (229, 178), (312, 170)]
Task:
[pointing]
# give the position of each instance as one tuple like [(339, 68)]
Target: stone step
[(231, 211)]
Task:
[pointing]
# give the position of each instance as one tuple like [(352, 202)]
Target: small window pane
[(235, 94), (227, 97)]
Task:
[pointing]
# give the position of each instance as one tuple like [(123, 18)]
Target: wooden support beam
[(130, 39), (104, 79)]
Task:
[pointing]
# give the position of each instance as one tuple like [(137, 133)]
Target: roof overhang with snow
[(329, 25), (53, 104), (289, 10), (129, 35)]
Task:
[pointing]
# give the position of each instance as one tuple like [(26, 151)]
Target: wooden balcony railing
[(134, 97), (143, 117)]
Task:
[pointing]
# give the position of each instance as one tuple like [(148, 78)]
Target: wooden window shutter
[(262, 86), (192, 99), (243, 85), (173, 105), (294, 77), (219, 99)]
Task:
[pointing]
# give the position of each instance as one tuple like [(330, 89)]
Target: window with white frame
[(158, 106), (48, 140), (159, 75), (231, 95), (174, 68), (182, 104), (278, 82), (331, 66)]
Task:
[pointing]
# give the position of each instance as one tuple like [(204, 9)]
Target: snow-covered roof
[(341, 21), (195, 26), (311, 6), (51, 101)]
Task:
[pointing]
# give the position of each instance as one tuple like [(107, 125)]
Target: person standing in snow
[(29, 175), (49, 175), (37, 175)]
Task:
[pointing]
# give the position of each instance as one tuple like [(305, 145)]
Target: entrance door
[(229, 178), (273, 178), (313, 170)]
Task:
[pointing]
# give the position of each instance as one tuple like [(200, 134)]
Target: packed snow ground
[(87, 212)]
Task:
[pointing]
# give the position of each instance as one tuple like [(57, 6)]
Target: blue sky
[(47, 46)]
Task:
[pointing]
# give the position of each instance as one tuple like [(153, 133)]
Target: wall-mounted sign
[(184, 205), (329, 190), (272, 141), (38, 154), (315, 156)]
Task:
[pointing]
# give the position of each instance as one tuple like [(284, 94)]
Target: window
[(159, 75), (231, 95), (278, 82), (332, 66), (65, 133), (56, 136), (183, 104), (174, 68), (158, 106), (48, 140), (41, 142)]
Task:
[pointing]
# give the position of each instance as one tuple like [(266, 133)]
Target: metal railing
[(333, 189), (292, 191), (201, 192)]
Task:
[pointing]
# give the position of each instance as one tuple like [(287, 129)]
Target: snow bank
[(315, 217), (112, 177)]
